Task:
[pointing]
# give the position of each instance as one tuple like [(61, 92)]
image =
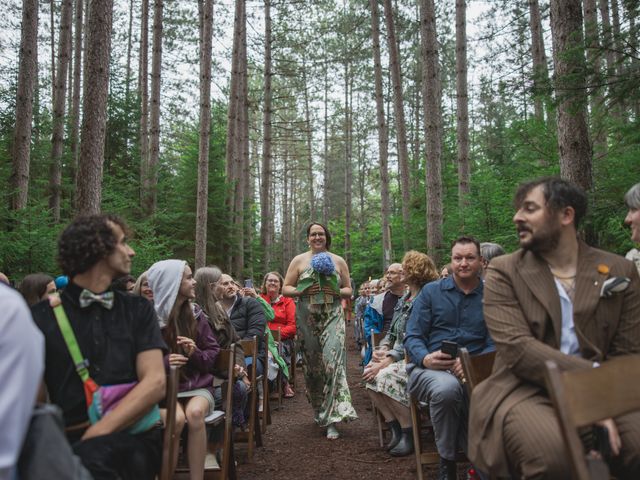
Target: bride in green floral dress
[(320, 279)]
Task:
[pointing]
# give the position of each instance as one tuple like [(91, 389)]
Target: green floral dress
[(392, 380), (321, 336)]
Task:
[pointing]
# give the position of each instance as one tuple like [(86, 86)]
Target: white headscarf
[(164, 279)]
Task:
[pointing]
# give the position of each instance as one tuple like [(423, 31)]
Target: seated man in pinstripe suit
[(544, 302)]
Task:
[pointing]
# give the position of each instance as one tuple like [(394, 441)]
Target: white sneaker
[(210, 462)]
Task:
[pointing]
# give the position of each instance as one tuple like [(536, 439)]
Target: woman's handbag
[(101, 399)]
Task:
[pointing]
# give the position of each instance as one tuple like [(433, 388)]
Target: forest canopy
[(219, 131)]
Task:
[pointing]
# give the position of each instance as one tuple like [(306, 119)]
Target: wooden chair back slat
[(583, 397), (254, 435), (477, 367), (170, 433)]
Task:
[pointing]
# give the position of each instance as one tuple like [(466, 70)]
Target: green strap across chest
[(79, 361)]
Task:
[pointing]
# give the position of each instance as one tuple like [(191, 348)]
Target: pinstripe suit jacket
[(522, 311)]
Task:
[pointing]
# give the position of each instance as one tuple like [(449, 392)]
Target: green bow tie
[(105, 299)]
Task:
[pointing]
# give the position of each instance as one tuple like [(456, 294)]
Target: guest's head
[(92, 240), (142, 287), (632, 201), (446, 271), (490, 250), (36, 287), (466, 261), (547, 209), (418, 269), (125, 283), (228, 289), (208, 292), (4, 279), (173, 287), (272, 284)]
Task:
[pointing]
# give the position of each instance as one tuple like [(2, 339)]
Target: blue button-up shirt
[(442, 311)]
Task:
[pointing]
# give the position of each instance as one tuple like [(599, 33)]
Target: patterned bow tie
[(105, 299)]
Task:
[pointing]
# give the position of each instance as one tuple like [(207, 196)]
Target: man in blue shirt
[(447, 310)]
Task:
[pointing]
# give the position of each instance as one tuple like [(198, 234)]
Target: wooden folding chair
[(277, 394), (225, 466), (477, 367), (583, 397), (419, 420), (253, 437), (264, 412), (294, 362), (376, 338), (168, 443)]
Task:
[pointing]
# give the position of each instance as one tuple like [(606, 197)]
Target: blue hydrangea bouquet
[(324, 274)]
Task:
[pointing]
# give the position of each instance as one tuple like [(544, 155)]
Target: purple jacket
[(197, 372)]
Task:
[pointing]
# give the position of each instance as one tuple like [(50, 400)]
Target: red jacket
[(285, 316)]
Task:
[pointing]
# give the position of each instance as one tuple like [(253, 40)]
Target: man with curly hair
[(119, 336)]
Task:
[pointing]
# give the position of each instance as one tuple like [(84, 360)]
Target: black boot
[(396, 433), (447, 470), (405, 445)]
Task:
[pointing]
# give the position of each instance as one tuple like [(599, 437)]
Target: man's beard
[(543, 241)]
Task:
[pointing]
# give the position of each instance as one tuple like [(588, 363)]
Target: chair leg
[(415, 420)]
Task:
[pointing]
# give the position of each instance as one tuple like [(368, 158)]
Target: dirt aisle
[(295, 448)]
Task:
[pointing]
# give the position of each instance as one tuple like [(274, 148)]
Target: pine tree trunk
[(462, 98), (154, 112), (309, 136), (94, 108), (27, 78), (568, 59), (325, 176), (540, 69), (432, 99), (631, 7), (241, 148), (129, 47), (205, 133), (75, 102), (401, 129), (52, 36), (348, 177), (383, 137), (59, 102), (143, 95), (592, 44), (234, 102), (266, 219)]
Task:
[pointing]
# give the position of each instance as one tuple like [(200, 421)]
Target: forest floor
[(296, 448)]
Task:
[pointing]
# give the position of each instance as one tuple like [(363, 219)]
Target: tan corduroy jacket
[(522, 311)]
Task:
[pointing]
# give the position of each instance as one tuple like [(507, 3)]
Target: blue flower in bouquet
[(323, 263)]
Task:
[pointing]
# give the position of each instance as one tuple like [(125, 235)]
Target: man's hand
[(249, 292), (438, 361), (614, 436), (458, 371), (380, 353)]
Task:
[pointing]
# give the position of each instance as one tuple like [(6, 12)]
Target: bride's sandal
[(332, 432)]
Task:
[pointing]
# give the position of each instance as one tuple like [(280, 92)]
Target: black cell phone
[(248, 283), (450, 348), (601, 441)]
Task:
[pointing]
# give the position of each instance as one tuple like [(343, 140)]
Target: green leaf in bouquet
[(305, 283)]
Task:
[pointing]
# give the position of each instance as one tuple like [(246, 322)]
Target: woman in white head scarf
[(192, 347)]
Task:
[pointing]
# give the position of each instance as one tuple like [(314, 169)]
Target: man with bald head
[(379, 312), (4, 278)]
